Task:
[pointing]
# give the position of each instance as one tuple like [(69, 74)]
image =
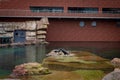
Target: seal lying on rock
[(59, 52)]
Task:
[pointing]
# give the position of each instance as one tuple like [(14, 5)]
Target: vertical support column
[(100, 10), (65, 9)]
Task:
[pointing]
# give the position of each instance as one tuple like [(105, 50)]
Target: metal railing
[(30, 13)]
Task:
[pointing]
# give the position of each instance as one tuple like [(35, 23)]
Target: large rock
[(78, 61), (115, 75), (29, 69), (116, 62), (70, 75)]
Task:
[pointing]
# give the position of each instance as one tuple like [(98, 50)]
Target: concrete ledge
[(24, 44)]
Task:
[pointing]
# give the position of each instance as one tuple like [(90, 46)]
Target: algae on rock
[(78, 61), (29, 69), (90, 74), (70, 75)]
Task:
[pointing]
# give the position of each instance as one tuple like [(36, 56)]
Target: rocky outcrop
[(116, 62), (34, 29), (114, 75), (68, 63), (29, 69)]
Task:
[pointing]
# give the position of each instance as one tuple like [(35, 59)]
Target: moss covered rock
[(29, 69), (81, 60), (90, 74), (70, 75)]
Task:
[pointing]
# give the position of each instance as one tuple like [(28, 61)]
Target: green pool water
[(12, 56)]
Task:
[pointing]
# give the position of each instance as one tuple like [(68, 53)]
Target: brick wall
[(24, 4), (70, 30)]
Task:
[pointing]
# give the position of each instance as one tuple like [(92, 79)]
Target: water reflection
[(9, 57), (104, 49)]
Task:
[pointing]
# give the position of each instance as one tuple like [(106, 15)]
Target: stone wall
[(35, 30)]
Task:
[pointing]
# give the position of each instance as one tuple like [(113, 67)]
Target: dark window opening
[(47, 9), (82, 10), (111, 10)]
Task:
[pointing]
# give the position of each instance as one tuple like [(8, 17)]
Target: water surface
[(12, 56)]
